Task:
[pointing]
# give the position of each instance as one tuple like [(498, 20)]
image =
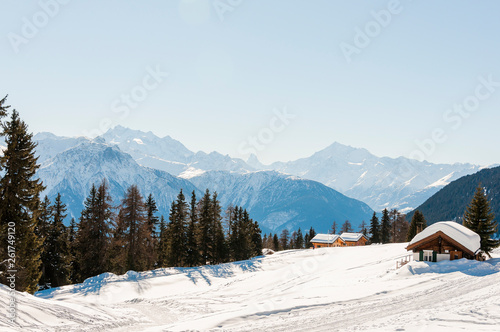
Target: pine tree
[(375, 229), (177, 232), (385, 227), (299, 241), (193, 254), (19, 201), (205, 224), (42, 231), (276, 243), (256, 239), (346, 227), (93, 241), (479, 218), (418, 224), (162, 244), (133, 216), (56, 248), (219, 249), (74, 265), (284, 239), (334, 227), (399, 226), (152, 221), (310, 236)]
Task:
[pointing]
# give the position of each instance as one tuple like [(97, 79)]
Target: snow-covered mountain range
[(306, 192)]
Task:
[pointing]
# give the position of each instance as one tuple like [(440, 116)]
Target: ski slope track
[(329, 289)]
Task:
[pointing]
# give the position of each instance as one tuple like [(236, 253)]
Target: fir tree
[(299, 241), (479, 218), (385, 227), (375, 229), (276, 243), (205, 225), (418, 224), (310, 236), (193, 254), (133, 217), (284, 239), (162, 244), (74, 265), (152, 222), (176, 232), (256, 239), (219, 249), (19, 201), (93, 239), (56, 248), (42, 231)]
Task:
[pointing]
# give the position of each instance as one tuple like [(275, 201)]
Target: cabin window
[(446, 251), (456, 256)]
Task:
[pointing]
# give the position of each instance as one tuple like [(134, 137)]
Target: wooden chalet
[(354, 239), (327, 240), (445, 240)]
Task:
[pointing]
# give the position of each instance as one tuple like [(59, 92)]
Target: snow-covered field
[(331, 289)]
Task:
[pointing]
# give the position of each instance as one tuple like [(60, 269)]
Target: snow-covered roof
[(325, 238), (351, 237), (457, 232)]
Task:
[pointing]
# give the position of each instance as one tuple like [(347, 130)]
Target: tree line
[(36, 248)]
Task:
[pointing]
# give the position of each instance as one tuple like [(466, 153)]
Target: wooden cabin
[(445, 240), (327, 240), (354, 239)]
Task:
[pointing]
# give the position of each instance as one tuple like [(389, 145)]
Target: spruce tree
[(310, 235), (162, 244), (385, 227), (418, 224), (205, 225), (42, 231), (284, 239), (363, 229), (19, 202), (276, 243), (334, 227), (56, 249), (93, 241), (299, 241), (193, 254), (375, 229), (176, 232), (74, 265), (479, 218), (151, 222), (133, 217)]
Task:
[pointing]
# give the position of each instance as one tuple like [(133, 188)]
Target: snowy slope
[(380, 182), (280, 201), (346, 289), (73, 171)]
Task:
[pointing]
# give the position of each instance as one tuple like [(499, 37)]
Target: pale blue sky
[(225, 77)]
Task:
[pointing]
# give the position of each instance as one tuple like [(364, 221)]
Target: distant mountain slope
[(380, 182), (168, 154), (73, 171), (281, 201), (450, 202)]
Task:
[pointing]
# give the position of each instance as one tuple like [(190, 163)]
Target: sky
[(282, 79)]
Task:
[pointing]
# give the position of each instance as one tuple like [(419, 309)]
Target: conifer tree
[(284, 239), (93, 241), (74, 265), (375, 229), (42, 231), (133, 217), (205, 225), (363, 229), (176, 232), (193, 254), (152, 222), (219, 249), (418, 224), (385, 227), (276, 243), (310, 235), (19, 201), (299, 241), (479, 218), (56, 249), (256, 239), (162, 244)]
